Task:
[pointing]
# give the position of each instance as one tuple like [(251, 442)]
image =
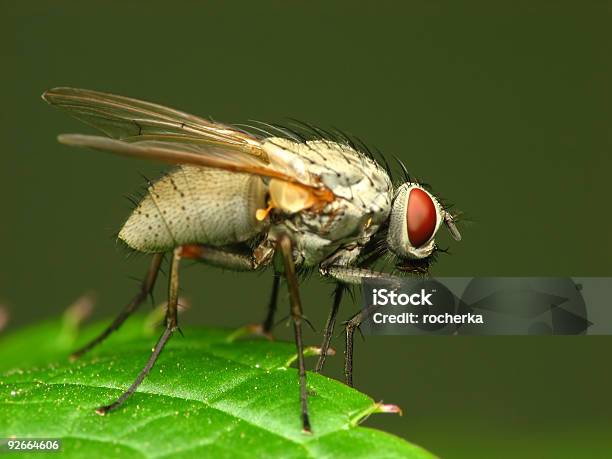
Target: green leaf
[(207, 396)]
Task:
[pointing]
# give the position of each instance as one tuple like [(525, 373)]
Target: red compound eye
[(420, 217)]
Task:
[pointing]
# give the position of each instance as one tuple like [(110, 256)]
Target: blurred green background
[(503, 107)]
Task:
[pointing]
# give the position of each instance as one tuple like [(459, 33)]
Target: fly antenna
[(449, 221)]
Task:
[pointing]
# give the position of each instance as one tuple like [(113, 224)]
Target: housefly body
[(247, 199)]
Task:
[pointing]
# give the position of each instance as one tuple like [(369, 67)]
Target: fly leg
[(261, 256), (145, 289), (354, 275), (171, 326), (264, 328), (329, 326), (268, 323), (350, 326), (285, 247), (225, 258), (222, 257)]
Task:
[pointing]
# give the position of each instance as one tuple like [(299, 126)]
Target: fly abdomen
[(195, 205)]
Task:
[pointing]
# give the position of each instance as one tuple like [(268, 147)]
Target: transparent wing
[(132, 120), (150, 131), (178, 153)]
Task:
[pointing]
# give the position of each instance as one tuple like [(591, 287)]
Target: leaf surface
[(207, 396)]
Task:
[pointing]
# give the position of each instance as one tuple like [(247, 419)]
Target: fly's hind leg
[(225, 258), (285, 249), (264, 328), (145, 289), (268, 323), (171, 326)]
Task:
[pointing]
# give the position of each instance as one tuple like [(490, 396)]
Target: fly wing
[(179, 153), (150, 131), (129, 119)]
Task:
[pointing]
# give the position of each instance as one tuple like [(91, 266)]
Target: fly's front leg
[(353, 275), (356, 276), (171, 326), (351, 325), (145, 289), (285, 250)]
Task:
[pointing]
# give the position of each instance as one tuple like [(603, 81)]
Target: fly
[(246, 202)]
